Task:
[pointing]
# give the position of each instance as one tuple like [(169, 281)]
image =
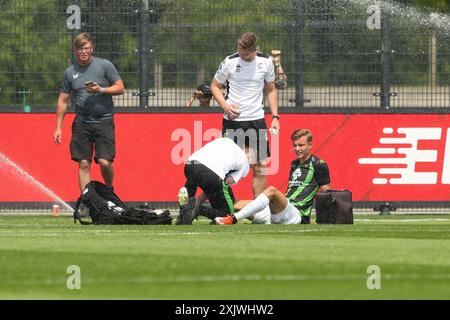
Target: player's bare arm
[(61, 109), (116, 89), (272, 97), (230, 109)]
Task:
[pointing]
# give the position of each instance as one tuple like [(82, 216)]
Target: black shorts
[(87, 136), (252, 134), (219, 194)]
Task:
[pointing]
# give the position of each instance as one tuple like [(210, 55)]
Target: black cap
[(207, 93)]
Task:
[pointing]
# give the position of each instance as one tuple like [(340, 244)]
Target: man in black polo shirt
[(90, 83), (308, 175)]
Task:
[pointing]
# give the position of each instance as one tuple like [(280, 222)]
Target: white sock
[(262, 217), (253, 207)]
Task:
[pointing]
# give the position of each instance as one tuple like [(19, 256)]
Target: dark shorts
[(90, 136), (252, 134), (219, 194)]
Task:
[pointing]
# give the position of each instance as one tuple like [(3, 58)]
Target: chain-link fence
[(335, 53)]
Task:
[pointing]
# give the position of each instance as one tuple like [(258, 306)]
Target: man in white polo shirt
[(214, 168), (246, 74)]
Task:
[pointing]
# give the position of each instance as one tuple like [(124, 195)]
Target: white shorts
[(289, 215)]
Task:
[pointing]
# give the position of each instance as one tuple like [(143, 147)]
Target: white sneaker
[(183, 196)]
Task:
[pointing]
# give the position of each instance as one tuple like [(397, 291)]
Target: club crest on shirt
[(297, 174)]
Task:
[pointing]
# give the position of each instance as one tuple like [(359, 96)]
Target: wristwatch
[(276, 117)]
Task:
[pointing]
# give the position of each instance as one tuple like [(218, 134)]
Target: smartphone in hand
[(89, 83)]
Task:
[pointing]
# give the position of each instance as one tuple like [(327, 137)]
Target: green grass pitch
[(236, 262)]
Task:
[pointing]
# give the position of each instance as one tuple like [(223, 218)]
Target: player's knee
[(84, 165), (104, 163), (259, 169), (270, 191)]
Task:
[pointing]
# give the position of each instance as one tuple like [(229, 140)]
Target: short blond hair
[(297, 134), (81, 39), (248, 40)]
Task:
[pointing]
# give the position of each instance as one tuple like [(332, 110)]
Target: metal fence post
[(144, 54), (299, 46), (385, 94)]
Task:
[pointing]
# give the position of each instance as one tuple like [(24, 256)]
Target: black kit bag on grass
[(105, 207), (334, 207)]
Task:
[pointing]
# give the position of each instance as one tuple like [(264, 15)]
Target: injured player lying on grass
[(307, 176), (270, 207)]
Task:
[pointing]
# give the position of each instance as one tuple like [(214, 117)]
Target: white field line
[(402, 220), (235, 278), (26, 235), (12, 233)]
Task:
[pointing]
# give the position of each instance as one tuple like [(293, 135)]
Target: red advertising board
[(378, 157)]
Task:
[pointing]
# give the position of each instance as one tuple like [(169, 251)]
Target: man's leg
[(262, 155), (105, 149), (187, 207), (186, 195), (262, 217), (206, 210), (210, 213), (270, 197), (214, 189), (220, 197), (107, 171), (241, 204), (258, 181), (84, 170), (191, 172), (259, 178), (252, 135), (81, 148), (278, 200)]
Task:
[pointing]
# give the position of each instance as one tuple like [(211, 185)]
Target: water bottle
[(55, 210)]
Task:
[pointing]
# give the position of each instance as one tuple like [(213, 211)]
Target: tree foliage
[(188, 37), (32, 52)]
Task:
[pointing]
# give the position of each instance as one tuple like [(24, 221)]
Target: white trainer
[(183, 196)]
